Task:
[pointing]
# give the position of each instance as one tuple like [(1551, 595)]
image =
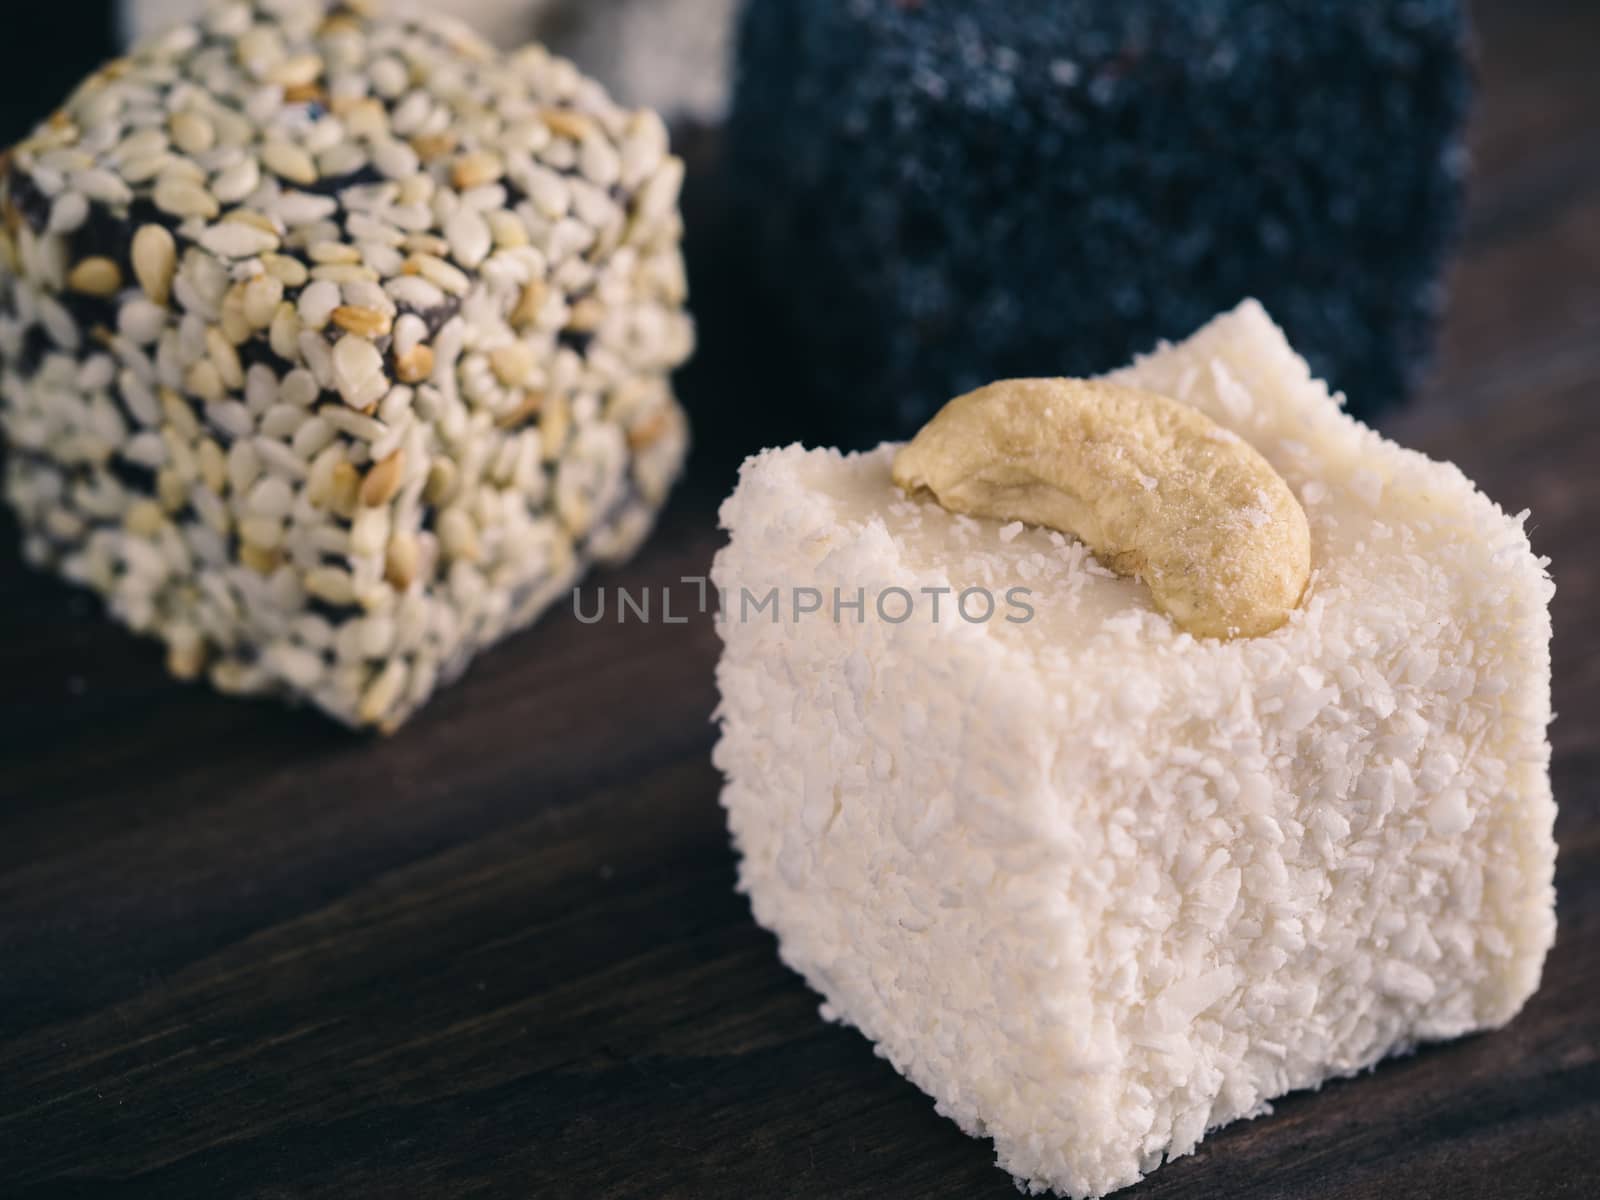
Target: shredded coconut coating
[(1098, 886), (336, 347)]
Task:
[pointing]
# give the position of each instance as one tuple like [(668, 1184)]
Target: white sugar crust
[(1096, 886)]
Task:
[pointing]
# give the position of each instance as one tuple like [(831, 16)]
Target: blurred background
[(49, 49), (892, 201), (666, 53)]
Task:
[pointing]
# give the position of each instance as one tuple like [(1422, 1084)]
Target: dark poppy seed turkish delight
[(941, 193)]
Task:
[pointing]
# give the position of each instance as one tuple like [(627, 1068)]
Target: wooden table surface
[(245, 954)]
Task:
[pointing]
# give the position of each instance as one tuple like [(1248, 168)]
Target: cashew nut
[(1156, 489)]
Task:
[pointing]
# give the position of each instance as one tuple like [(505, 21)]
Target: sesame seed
[(259, 49), (409, 116), (426, 243), (458, 536), (284, 333), (389, 77), (295, 209), (530, 304), (179, 414), (317, 303), (290, 162), (141, 321), (68, 213), (513, 364), (299, 387), (565, 123), (291, 272), (225, 358), (549, 193), (586, 315), (186, 651), (184, 169), (95, 277), (262, 296), (476, 169), (234, 183), (183, 198), (344, 273), (330, 584), (599, 162), (298, 71), (415, 365), (271, 497), (651, 430), (204, 381), (234, 326), (441, 484), (394, 159), (262, 562), (643, 147), (140, 144), (144, 518), (344, 484), (255, 220), (363, 118), (660, 195), (238, 239), (318, 357), (527, 406), (275, 456), (358, 371), (363, 322), (383, 692), (383, 480), (409, 331), (170, 490), (555, 421), (192, 133), (141, 170), (103, 187), (369, 531), (366, 228), (297, 666), (367, 294), (213, 465), (560, 154), (402, 561), (469, 237), (334, 252), (311, 437), (396, 406), (441, 274), (262, 388)]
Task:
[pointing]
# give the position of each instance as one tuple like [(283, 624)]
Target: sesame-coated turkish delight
[(336, 347)]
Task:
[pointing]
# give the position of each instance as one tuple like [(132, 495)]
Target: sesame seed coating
[(301, 371)]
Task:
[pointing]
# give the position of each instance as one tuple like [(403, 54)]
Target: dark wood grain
[(243, 953)]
